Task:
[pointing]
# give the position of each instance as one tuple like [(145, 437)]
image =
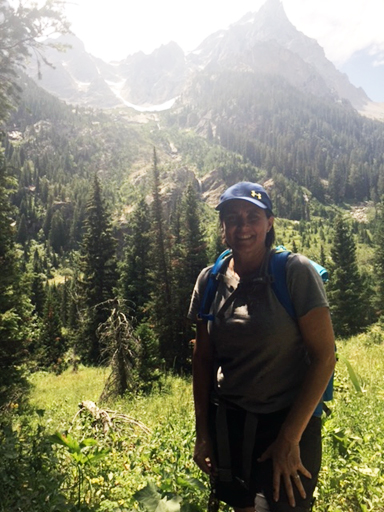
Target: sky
[(114, 29)]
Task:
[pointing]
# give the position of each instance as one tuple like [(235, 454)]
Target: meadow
[(54, 456)]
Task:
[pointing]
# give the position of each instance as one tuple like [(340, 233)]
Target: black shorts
[(242, 490)]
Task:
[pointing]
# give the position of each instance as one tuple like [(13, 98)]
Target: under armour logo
[(256, 194)]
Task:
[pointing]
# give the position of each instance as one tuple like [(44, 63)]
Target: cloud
[(341, 27)]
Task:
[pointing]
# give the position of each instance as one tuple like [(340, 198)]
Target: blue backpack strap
[(277, 263), (276, 269), (211, 287)]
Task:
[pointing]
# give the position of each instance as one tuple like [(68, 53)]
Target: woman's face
[(245, 226)]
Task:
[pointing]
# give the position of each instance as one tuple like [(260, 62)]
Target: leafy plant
[(82, 454), (152, 500), (352, 374)]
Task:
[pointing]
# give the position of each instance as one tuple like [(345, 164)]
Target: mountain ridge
[(143, 80)]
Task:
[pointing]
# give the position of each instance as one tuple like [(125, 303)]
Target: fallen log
[(107, 417)]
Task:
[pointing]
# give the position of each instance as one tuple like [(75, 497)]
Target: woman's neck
[(244, 264)]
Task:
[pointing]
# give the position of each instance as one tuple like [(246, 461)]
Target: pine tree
[(120, 350), (98, 263), (192, 236), (322, 256), (15, 308), (345, 288), (23, 28), (22, 232), (57, 233), (134, 281), (52, 345), (189, 258), (160, 303), (38, 292), (379, 262)]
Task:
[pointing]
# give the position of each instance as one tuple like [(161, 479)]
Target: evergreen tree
[(38, 293), (149, 363), (98, 263), (189, 258), (52, 345), (65, 301), (346, 290), (22, 232), (134, 281), (160, 303), (322, 256), (120, 350), (379, 261), (23, 28), (57, 233), (15, 308), (192, 236)]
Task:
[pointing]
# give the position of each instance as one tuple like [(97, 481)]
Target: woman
[(266, 370)]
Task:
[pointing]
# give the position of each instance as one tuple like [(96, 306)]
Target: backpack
[(277, 273)]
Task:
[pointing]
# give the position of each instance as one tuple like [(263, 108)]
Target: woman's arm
[(317, 332), (202, 386)]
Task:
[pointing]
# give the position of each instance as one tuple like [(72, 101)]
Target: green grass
[(38, 476), (352, 474), (60, 395)]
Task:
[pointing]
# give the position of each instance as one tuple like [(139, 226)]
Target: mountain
[(267, 42), (140, 80), (258, 101), (156, 78), (75, 76), (264, 42)]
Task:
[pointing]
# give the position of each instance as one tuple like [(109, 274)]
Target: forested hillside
[(323, 145), (109, 212)]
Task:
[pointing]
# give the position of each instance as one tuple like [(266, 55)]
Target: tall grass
[(59, 395), (352, 478)]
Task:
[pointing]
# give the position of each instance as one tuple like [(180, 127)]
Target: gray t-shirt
[(260, 359)]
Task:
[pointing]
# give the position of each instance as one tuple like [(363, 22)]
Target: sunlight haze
[(115, 29)]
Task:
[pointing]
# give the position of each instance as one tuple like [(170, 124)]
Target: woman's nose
[(241, 221)]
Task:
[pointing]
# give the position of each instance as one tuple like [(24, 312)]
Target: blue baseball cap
[(252, 192)]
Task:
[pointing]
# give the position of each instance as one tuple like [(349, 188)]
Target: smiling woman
[(259, 373), (247, 219)]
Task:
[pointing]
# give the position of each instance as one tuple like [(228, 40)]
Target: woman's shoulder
[(305, 283), (204, 273), (203, 277), (300, 268), (297, 260)]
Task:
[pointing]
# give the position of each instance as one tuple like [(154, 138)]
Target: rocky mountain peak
[(271, 14), (262, 42)]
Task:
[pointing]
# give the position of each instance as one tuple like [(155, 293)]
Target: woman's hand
[(203, 456), (317, 333), (287, 466)]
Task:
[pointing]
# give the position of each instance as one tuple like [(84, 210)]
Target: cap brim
[(249, 199)]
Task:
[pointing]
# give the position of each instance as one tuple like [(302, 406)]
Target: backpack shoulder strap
[(277, 264), (276, 269), (211, 287)]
